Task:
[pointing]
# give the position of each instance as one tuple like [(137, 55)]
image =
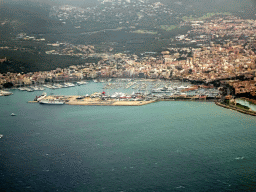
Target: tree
[(8, 85)]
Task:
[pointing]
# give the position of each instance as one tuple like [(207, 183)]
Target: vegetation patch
[(168, 27), (242, 106), (145, 32), (204, 17)]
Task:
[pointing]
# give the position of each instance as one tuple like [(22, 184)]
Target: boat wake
[(180, 187), (238, 158)]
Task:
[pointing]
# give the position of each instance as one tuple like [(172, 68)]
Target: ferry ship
[(52, 102)]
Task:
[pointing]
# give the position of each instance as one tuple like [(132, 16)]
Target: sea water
[(164, 146)]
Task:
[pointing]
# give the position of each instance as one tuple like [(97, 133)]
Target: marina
[(137, 85), (124, 92), (120, 92)]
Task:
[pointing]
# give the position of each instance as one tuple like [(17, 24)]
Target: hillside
[(135, 27)]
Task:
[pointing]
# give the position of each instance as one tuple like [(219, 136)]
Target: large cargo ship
[(52, 102)]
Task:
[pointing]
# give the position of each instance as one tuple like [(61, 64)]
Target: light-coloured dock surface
[(72, 100)]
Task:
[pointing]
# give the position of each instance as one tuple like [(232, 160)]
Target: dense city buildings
[(215, 49)]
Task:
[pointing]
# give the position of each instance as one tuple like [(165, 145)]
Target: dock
[(110, 102), (72, 100)]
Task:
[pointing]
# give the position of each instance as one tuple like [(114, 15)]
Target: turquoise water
[(164, 146)]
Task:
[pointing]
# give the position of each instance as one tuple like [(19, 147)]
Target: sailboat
[(79, 95)]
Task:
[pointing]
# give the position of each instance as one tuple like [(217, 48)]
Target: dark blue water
[(164, 146)]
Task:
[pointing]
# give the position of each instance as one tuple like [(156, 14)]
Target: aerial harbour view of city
[(128, 95)]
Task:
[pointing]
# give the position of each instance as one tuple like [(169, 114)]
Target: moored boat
[(81, 83), (40, 97), (5, 93), (80, 97), (162, 90), (70, 84)]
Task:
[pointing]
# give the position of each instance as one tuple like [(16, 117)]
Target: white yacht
[(42, 96), (81, 82), (182, 87), (41, 89), (5, 93), (118, 95), (70, 84), (35, 88), (29, 89), (22, 89), (162, 90)]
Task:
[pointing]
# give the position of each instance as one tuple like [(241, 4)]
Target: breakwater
[(233, 107)]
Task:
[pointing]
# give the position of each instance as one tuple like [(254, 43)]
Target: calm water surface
[(164, 146)]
